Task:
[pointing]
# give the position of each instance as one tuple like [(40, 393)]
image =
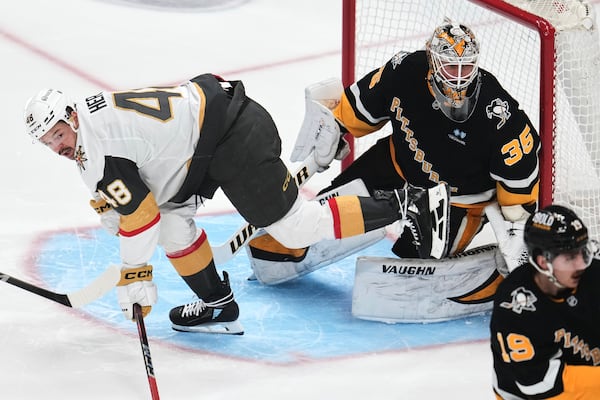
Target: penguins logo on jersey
[(498, 109), (522, 300)]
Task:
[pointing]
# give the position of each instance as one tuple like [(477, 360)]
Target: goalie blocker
[(393, 290)]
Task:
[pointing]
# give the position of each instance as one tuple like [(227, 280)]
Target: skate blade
[(439, 209), (227, 328)]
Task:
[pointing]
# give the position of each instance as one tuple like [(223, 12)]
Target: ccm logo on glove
[(136, 286), (100, 206), (139, 274)]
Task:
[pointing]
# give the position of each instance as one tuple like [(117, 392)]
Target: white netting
[(511, 52)]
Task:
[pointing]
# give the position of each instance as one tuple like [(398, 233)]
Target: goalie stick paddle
[(93, 291), (227, 250), (139, 319)]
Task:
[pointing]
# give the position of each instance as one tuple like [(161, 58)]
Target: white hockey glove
[(109, 218), (136, 286), (320, 131), (509, 226)]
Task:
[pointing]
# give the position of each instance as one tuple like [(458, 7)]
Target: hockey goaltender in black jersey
[(487, 148), (452, 124)]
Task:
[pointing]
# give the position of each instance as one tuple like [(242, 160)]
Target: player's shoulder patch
[(81, 158), (498, 109), (397, 58), (522, 299)]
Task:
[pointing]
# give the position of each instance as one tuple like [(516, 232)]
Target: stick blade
[(97, 288)]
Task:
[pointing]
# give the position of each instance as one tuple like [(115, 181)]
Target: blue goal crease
[(305, 319)]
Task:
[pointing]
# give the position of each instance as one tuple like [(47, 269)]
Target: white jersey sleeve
[(133, 148)]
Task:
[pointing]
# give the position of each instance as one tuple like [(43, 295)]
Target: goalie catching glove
[(320, 132), (136, 286)]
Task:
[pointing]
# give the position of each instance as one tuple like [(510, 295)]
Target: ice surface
[(48, 351)]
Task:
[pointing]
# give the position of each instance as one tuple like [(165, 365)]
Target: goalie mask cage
[(544, 52)]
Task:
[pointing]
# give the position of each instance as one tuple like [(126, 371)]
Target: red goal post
[(545, 53)]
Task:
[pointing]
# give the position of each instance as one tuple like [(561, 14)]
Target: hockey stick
[(139, 319), (227, 250), (96, 289)]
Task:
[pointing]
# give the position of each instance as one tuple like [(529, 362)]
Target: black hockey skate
[(217, 315), (426, 213)]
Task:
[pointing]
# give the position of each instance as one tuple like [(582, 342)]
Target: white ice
[(81, 46)]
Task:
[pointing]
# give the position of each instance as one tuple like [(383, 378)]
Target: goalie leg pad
[(395, 290), (274, 263), (271, 268)]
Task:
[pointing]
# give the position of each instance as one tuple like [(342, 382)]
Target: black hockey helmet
[(554, 230)]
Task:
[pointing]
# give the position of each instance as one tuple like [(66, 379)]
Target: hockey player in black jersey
[(545, 330), (452, 122)]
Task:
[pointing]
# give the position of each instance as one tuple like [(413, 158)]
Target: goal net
[(544, 52)]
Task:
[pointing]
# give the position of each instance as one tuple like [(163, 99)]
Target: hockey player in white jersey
[(151, 156)]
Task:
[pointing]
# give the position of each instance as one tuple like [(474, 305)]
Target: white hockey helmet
[(453, 55), (45, 109)]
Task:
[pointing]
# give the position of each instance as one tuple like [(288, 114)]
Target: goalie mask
[(44, 110), (453, 78), (557, 230)]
